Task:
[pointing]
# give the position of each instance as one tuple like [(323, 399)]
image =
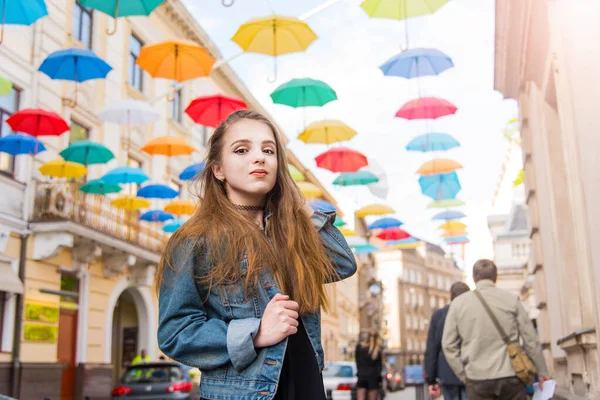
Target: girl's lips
[(261, 173)]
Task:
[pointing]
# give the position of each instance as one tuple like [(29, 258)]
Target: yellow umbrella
[(438, 166), (327, 132), (310, 190), (180, 207), (60, 168), (180, 60), (374, 209), (406, 246), (297, 176), (455, 232), (452, 225), (401, 9), (520, 178), (347, 231), (130, 203), (168, 146)]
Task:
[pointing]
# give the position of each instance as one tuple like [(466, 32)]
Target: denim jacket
[(217, 335)]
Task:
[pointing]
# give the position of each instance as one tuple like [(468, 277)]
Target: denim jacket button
[(271, 362)]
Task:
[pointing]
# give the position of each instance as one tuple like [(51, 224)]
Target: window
[(409, 345), (78, 133), (448, 283), (8, 106), (421, 299), (432, 302), (407, 298), (408, 320), (176, 106), (419, 277), (415, 322), (406, 275), (441, 302), (136, 74), (206, 134), (412, 276), (431, 280), (82, 24), (69, 283), (440, 282)]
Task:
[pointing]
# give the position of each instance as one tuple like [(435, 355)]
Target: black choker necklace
[(248, 208)]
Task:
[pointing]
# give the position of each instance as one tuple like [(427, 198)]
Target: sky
[(347, 54)]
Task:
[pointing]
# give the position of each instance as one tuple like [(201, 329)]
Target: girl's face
[(248, 162)]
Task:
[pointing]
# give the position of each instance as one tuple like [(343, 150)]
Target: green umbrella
[(97, 186), (339, 222), (87, 153), (5, 87), (303, 93), (355, 178), (122, 8)]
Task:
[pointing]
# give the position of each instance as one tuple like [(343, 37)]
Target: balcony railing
[(65, 202)]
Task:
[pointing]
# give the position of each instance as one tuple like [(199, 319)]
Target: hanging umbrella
[(18, 143), (338, 222), (341, 159), (6, 86), (172, 226), (212, 110), (374, 209), (452, 225), (297, 176), (393, 234), (456, 240), (440, 186), (128, 112), (401, 9), (98, 186), (125, 175), (156, 216), (362, 177), (414, 63), (157, 191), (448, 215), (354, 241), (181, 207), (455, 232), (327, 132), (122, 8), (380, 188), (60, 168), (21, 12), (365, 249), (192, 171), (401, 242), (520, 178), (407, 246), (130, 203), (303, 93), (426, 108), (438, 166), (347, 232), (446, 203), (322, 205), (178, 61), (168, 146), (432, 142), (87, 153), (37, 122), (384, 223), (310, 190)]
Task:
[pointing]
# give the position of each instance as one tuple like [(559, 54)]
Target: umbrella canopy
[(274, 35), (432, 142), (354, 241), (60, 168), (407, 246), (181, 207), (179, 60), (327, 132), (128, 112), (156, 216), (520, 178), (18, 143), (452, 225), (393, 234), (448, 215), (341, 159), (401, 9), (338, 222), (157, 191), (6, 86), (456, 240), (384, 223), (400, 242), (362, 177), (297, 176), (413, 63), (446, 203), (455, 232), (310, 190), (365, 249), (75, 64), (172, 226), (438, 166), (212, 110), (130, 203), (168, 146), (87, 153), (440, 186), (37, 122), (322, 205), (374, 209), (303, 93), (125, 175), (98, 186), (192, 171), (22, 12), (347, 232), (120, 8), (426, 108)]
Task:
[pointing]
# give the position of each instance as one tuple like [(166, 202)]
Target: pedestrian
[(240, 284), (475, 339), (369, 363), (437, 371), (141, 358)]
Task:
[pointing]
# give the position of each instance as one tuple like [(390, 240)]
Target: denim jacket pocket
[(238, 301)]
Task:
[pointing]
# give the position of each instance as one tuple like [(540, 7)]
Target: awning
[(9, 280)]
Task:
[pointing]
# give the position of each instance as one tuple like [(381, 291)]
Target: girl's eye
[(241, 151), (269, 151)]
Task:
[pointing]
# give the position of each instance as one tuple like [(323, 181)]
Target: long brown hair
[(292, 247)]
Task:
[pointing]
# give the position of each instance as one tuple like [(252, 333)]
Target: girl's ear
[(218, 172)]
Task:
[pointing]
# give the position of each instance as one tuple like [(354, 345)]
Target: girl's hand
[(279, 321)]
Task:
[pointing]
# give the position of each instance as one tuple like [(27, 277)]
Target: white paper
[(547, 393)]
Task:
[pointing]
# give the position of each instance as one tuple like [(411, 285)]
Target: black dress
[(300, 377), (369, 369)]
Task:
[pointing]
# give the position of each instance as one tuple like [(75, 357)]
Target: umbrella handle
[(227, 3), (108, 31), (72, 102)]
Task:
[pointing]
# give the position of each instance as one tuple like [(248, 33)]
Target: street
[(406, 394)]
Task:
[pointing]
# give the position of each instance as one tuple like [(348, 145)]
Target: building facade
[(547, 60)]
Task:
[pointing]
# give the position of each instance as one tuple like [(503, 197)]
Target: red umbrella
[(341, 159), (212, 110), (37, 122), (393, 234), (426, 108)]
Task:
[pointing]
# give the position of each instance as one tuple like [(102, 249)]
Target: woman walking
[(241, 283), (369, 362)]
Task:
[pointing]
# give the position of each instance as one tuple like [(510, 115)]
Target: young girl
[(369, 362), (241, 283)]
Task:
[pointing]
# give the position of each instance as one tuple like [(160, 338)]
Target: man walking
[(474, 347), (437, 370)]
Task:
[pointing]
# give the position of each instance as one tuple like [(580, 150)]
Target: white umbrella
[(381, 187), (128, 112), (356, 241)]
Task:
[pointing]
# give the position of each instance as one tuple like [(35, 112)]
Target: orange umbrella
[(180, 207), (452, 225), (168, 146), (438, 166), (454, 232)]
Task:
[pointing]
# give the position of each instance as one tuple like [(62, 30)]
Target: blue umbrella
[(191, 171), (125, 175), (440, 186), (448, 215), (365, 249), (414, 63), (157, 216), (157, 191), (19, 143), (21, 12), (384, 223), (456, 239), (322, 205), (172, 226), (78, 65), (432, 142), (410, 240)]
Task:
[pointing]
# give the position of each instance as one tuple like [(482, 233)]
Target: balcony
[(13, 195)]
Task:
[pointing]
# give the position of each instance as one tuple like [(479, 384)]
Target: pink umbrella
[(426, 108), (341, 159)]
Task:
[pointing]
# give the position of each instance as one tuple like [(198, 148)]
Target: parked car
[(340, 375), (413, 375), (159, 380), (393, 379)]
